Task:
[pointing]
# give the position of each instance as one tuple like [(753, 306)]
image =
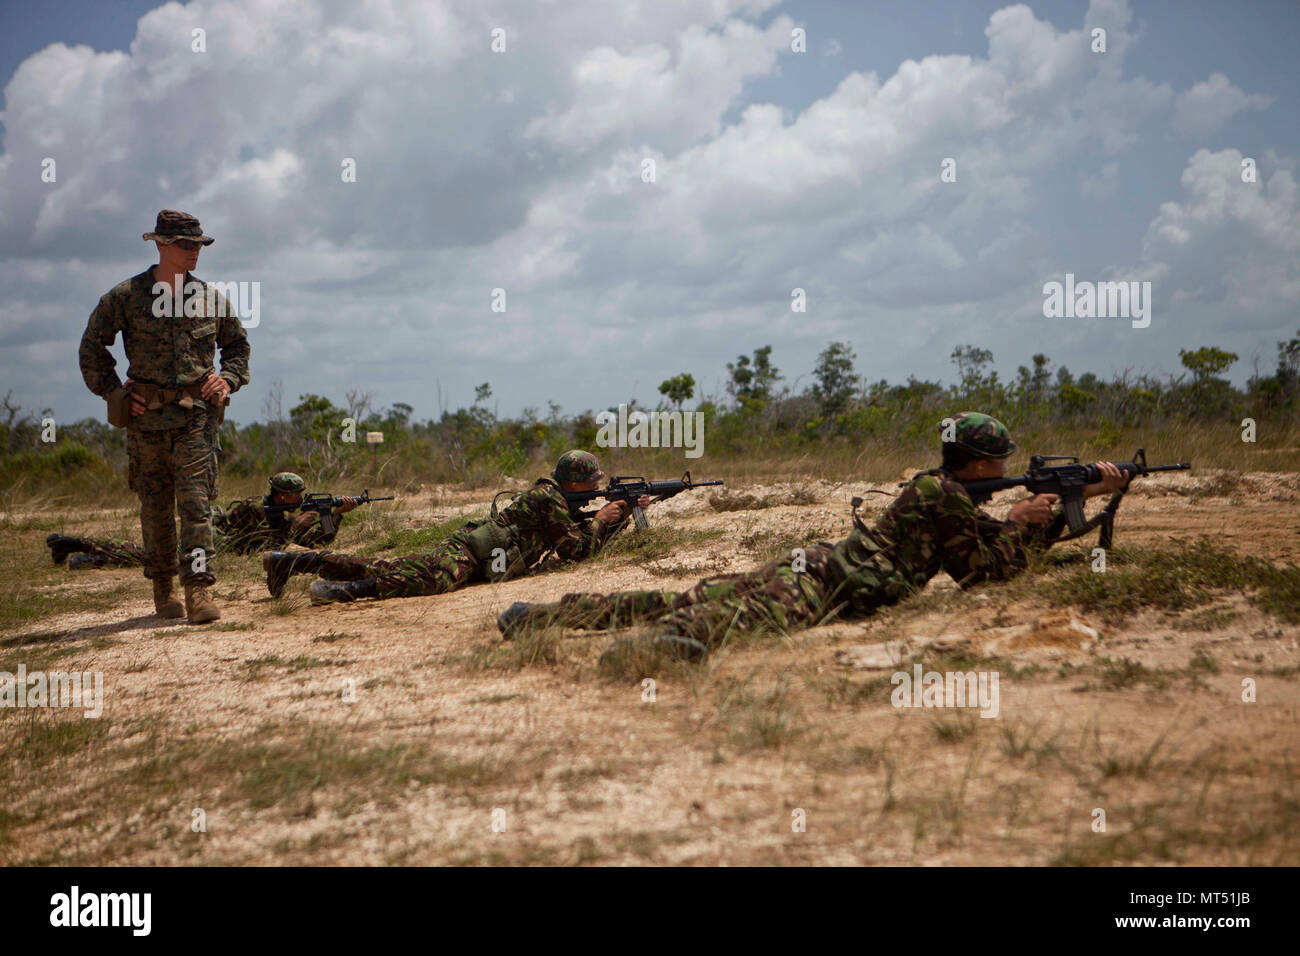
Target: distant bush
[(62, 460)]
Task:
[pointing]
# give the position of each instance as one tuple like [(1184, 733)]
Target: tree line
[(759, 411)]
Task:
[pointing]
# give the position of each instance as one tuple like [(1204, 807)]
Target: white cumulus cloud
[(1211, 103)]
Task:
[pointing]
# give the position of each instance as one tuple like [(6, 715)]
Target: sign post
[(374, 440)]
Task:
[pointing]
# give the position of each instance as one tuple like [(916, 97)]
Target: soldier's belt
[(156, 397)]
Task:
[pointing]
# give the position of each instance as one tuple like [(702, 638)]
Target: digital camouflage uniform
[(245, 528), (169, 448), (532, 526), (932, 526), (214, 454)]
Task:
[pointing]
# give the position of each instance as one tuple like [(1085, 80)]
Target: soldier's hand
[(346, 504), (1112, 480), (643, 502), (137, 403), (614, 511), (1035, 510), (214, 389)]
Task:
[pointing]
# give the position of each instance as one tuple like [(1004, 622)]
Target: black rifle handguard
[(1068, 481)]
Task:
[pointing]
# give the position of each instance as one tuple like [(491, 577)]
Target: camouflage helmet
[(981, 435), (287, 483), (578, 465)]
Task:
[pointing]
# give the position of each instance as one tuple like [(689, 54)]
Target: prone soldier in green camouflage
[(81, 552), (171, 326), (932, 526), (536, 523), (247, 527)]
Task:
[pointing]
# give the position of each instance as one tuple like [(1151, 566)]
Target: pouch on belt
[(119, 407), (492, 544)]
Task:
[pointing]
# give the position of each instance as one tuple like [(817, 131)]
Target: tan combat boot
[(164, 603), (199, 606)]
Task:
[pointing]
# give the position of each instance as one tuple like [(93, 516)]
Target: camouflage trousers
[(776, 598), (213, 433), (450, 567), (170, 469)]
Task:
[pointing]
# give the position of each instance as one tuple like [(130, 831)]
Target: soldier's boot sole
[(331, 592), (278, 566), (513, 619), (164, 603), (198, 606), (60, 547)]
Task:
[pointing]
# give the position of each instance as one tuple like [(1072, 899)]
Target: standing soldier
[(171, 325), (536, 523), (932, 526)]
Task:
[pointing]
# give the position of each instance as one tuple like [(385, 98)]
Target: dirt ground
[(407, 732)]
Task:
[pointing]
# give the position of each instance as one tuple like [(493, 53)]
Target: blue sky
[(775, 170)]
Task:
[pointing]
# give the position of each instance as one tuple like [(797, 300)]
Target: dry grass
[(463, 749)]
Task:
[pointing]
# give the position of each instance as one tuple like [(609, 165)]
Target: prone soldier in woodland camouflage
[(932, 526), (171, 325), (246, 527), (536, 523)]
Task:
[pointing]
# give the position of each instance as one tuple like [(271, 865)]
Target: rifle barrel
[(989, 486)]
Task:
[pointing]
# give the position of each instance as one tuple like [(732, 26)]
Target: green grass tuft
[(1177, 577), (420, 540)]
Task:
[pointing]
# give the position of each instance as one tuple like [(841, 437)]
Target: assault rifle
[(628, 488), (323, 503), (1068, 481)]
